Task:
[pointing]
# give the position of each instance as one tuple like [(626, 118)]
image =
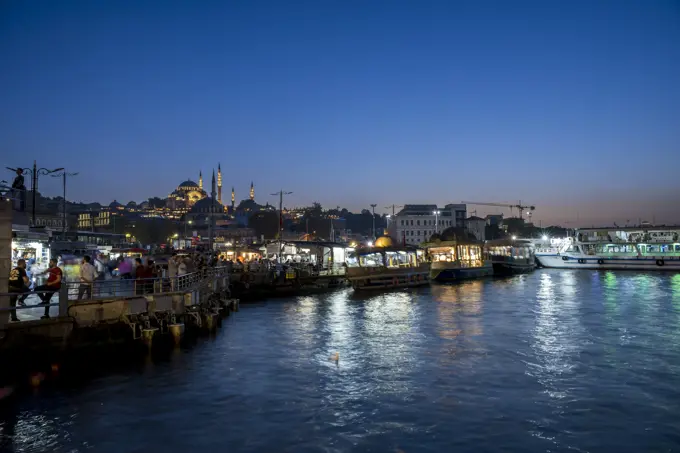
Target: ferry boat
[(456, 260), (638, 248), (385, 266), (511, 256)]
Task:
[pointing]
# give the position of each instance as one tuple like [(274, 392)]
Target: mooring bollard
[(148, 334), (209, 321), (177, 331)]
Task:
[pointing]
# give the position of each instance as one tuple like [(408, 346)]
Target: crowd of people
[(94, 274)]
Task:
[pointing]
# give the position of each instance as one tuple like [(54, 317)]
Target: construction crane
[(519, 206)]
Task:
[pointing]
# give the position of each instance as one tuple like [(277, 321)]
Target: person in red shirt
[(53, 285)]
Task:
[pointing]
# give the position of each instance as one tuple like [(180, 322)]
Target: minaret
[(252, 191), (233, 198), (212, 191), (219, 183), (200, 179)]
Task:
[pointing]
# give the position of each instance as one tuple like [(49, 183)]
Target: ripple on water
[(552, 361)]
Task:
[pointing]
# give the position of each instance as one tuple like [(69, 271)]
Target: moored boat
[(638, 248), (511, 256), (387, 266), (457, 260)]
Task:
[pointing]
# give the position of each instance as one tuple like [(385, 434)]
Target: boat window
[(444, 254), (352, 260), (397, 259), (371, 260)]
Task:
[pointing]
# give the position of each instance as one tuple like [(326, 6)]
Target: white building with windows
[(476, 226), (416, 223)]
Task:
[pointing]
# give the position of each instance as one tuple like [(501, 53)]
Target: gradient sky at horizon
[(571, 106)]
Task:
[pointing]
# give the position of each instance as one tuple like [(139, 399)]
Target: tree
[(456, 234), (265, 223), (155, 202), (153, 230)]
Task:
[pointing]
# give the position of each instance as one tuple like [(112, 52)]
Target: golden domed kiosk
[(384, 241)]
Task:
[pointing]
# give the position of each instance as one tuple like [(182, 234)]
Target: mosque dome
[(188, 185), (115, 205), (205, 205), (384, 241)]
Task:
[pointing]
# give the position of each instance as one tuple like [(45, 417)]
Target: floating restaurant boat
[(511, 256), (457, 260), (637, 248), (387, 266)]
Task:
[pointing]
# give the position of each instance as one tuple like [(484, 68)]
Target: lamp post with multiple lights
[(436, 220), (35, 173)]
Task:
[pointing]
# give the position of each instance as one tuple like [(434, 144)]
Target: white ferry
[(638, 248)]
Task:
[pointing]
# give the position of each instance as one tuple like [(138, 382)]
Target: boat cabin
[(511, 256)]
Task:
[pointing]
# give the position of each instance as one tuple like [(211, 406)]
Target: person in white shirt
[(87, 276)]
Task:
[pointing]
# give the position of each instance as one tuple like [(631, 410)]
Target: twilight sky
[(571, 106)]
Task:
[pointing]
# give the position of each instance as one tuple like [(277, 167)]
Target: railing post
[(63, 300)]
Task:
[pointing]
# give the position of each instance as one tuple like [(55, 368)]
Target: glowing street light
[(436, 220)]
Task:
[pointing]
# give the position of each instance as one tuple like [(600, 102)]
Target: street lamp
[(280, 193), (35, 172), (373, 207), (64, 174), (436, 220)]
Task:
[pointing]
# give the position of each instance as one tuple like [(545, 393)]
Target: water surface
[(552, 361)]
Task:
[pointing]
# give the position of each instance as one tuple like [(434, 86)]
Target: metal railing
[(74, 292)]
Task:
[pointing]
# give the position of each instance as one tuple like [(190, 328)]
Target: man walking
[(18, 286), (46, 291), (87, 276)]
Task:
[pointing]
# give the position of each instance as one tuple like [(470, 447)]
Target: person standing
[(140, 276), (19, 191), (18, 286), (46, 291), (87, 276), (172, 270)]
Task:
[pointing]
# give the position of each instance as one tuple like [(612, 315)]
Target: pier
[(120, 311)]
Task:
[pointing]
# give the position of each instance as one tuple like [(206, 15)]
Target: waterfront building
[(416, 223), (494, 219), (477, 226)]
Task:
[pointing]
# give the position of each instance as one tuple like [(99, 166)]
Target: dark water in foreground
[(553, 361)]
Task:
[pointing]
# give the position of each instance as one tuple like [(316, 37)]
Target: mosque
[(189, 196)]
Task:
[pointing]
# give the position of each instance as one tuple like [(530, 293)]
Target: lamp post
[(64, 174), (35, 172), (185, 229), (281, 193), (436, 220), (373, 208)]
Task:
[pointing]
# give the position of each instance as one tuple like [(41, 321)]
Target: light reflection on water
[(552, 361)]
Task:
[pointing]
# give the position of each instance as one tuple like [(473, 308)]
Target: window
[(418, 222), (402, 223), (371, 260), (411, 222)]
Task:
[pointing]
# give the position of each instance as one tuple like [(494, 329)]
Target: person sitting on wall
[(18, 286), (46, 291)]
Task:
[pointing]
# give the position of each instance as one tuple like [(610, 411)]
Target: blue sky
[(571, 106)]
